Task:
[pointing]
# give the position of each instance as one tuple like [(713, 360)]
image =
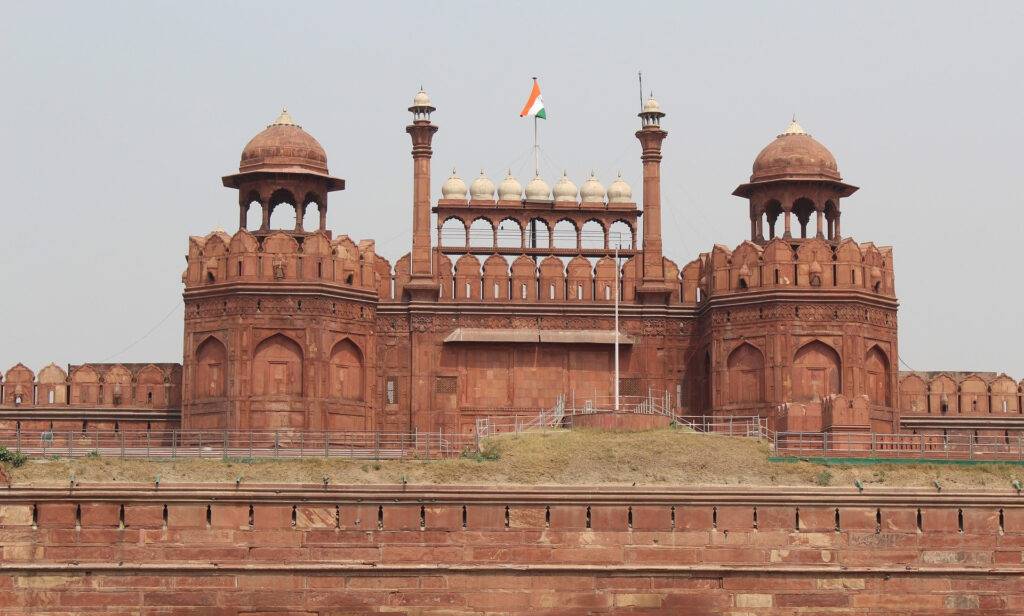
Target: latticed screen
[(445, 384), (629, 387)]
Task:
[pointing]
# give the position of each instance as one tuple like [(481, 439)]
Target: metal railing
[(224, 444), (515, 424), (752, 426), (906, 446)]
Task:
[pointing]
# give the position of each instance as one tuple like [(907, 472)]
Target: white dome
[(652, 106), (592, 191), (565, 190), (537, 190), (422, 99), (510, 189), (453, 187), (620, 192), (482, 188)]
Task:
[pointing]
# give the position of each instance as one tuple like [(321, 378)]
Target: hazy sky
[(118, 119)]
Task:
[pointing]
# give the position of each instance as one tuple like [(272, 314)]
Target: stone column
[(653, 269), (422, 284)]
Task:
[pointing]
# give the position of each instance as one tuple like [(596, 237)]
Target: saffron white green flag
[(534, 107)]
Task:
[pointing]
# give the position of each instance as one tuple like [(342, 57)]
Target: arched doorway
[(876, 382), (277, 367), (211, 366), (745, 375), (817, 372), (346, 379)]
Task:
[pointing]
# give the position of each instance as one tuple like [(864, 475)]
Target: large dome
[(794, 155), (284, 146)]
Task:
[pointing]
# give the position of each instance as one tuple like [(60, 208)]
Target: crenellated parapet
[(551, 279), (218, 259), (780, 265), (956, 394), (93, 385)]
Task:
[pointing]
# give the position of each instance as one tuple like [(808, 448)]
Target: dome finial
[(285, 119), (794, 128)]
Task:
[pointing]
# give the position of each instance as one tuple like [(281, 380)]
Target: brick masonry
[(451, 551)]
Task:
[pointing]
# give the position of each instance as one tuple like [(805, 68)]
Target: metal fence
[(753, 426), (191, 444), (916, 446)]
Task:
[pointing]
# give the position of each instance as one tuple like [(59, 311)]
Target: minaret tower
[(422, 286), (652, 289)]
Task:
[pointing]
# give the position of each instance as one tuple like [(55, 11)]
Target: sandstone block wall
[(516, 551)]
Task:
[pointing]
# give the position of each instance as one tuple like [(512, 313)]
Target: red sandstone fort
[(512, 308)]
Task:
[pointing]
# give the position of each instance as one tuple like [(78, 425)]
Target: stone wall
[(446, 550)]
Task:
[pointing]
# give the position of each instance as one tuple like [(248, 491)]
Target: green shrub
[(14, 458), (824, 478), (488, 452)]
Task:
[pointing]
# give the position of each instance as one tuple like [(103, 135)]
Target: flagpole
[(536, 149), (616, 351)]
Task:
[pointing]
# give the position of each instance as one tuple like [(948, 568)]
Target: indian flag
[(534, 107)]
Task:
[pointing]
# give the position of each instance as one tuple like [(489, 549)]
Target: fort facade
[(509, 300)]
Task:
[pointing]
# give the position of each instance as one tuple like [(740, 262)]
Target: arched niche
[(277, 367), (149, 385), (817, 372), (876, 377), (346, 372), (745, 375), (211, 370)]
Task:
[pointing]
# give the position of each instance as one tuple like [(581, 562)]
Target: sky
[(117, 121)]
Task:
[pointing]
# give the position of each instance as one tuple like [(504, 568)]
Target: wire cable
[(144, 336)]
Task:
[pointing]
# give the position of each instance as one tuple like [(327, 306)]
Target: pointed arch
[(510, 233), (85, 385), (877, 377), (149, 387), (745, 375), (277, 367), (279, 217), (211, 369), (53, 386), (19, 385), (913, 395), (566, 234), (817, 372), (346, 371)]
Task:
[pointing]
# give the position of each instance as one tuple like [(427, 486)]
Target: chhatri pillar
[(422, 286), (652, 289)]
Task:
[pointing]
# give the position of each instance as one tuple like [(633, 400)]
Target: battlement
[(219, 258), (780, 263)]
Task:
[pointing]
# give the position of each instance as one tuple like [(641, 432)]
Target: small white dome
[(565, 189), (510, 189), (422, 99), (592, 191), (482, 188), (453, 187), (619, 191), (537, 190), (652, 106)]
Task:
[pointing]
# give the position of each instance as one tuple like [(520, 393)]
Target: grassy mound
[(655, 457)]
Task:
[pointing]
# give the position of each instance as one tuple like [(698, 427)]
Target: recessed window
[(391, 390)]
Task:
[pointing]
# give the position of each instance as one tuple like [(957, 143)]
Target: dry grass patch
[(655, 457)]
